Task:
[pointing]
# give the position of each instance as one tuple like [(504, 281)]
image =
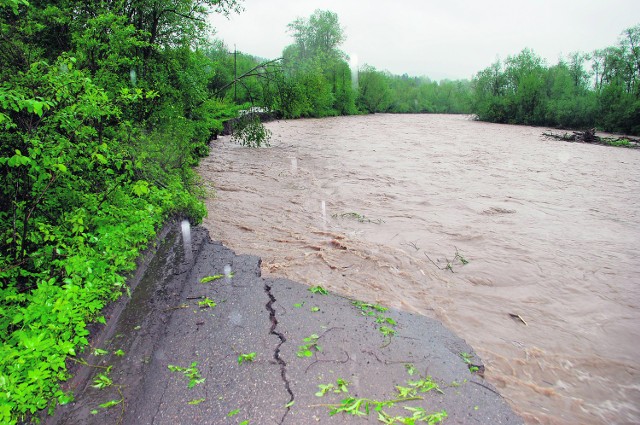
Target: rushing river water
[(550, 230)]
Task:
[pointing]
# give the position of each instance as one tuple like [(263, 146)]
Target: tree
[(579, 76), (489, 102), (375, 93), (617, 71), (317, 65), (320, 35)]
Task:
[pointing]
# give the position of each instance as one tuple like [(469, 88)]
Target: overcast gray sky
[(439, 39)]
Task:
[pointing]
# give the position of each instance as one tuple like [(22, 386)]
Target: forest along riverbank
[(549, 230)]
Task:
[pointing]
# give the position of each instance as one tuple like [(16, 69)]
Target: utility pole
[(235, 73)]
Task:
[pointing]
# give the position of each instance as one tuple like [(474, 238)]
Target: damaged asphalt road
[(177, 332)]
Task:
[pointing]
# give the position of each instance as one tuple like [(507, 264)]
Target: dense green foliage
[(104, 107), (383, 92), (524, 90), (319, 78), (313, 79)]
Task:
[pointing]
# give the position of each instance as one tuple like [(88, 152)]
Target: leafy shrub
[(249, 131), (75, 212)]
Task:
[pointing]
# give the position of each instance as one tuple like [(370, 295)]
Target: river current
[(389, 208)]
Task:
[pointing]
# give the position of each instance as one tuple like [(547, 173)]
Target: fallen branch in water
[(589, 136), (517, 316)]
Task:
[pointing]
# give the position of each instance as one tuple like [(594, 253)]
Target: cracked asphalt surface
[(171, 320)]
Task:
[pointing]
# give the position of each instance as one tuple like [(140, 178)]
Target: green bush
[(81, 200), (249, 131)]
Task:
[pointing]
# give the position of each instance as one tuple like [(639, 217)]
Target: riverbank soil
[(182, 353)]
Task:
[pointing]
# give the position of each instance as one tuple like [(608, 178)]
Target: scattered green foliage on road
[(360, 406), (411, 369), (468, 360), (102, 380), (249, 357), (386, 324), (318, 290), (211, 278), (422, 385), (236, 412), (418, 415), (341, 386), (215, 277), (207, 303), (466, 357), (111, 403), (190, 372), (386, 331), (311, 346), (369, 309), (364, 406)]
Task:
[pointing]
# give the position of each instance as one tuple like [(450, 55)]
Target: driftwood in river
[(589, 136)]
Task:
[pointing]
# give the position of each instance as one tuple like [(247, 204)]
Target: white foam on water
[(186, 241)]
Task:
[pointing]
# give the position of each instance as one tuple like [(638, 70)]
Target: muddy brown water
[(376, 208)]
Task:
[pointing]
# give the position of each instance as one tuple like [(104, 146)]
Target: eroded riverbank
[(206, 340), (549, 230)]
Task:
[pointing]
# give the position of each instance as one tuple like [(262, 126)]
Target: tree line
[(584, 90), (313, 79)]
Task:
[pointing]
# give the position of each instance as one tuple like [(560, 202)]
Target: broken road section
[(214, 343)]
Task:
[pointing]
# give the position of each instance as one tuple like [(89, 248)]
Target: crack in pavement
[(155, 415), (276, 353)]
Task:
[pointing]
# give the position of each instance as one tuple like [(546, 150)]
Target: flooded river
[(389, 208)]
